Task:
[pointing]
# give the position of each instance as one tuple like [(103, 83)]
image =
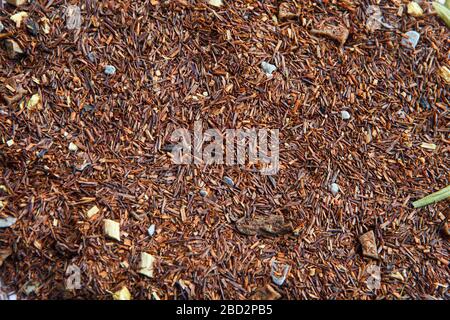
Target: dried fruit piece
[(122, 294), (265, 293), (397, 275), (414, 9), (35, 102), (19, 17), (92, 212), (369, 245), (73, 147), (146, 264), (3, 189), (444, 72), (112, 229), (429, 146), (264, 225), (216, 3), (337, 33)]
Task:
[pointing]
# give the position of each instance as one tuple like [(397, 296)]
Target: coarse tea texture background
[(180, 61)]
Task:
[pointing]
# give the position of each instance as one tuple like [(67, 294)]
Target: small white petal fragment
[(151, 230), (216, 3), (345, 115), (73, 147), (112, 229), (268, 68), (7, 222), (429, 146), (19, 17), (122, 294), (334, 188), (110, 70), (92, 212), (146, 265), (411, 40)]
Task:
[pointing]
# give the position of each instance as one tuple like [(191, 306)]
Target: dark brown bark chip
[(264, 225)]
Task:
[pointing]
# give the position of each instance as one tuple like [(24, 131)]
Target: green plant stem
[(432, 198), (443, 11)]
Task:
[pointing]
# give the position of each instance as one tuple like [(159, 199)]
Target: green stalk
[(432, 198), (447, 4), (443, 11)]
